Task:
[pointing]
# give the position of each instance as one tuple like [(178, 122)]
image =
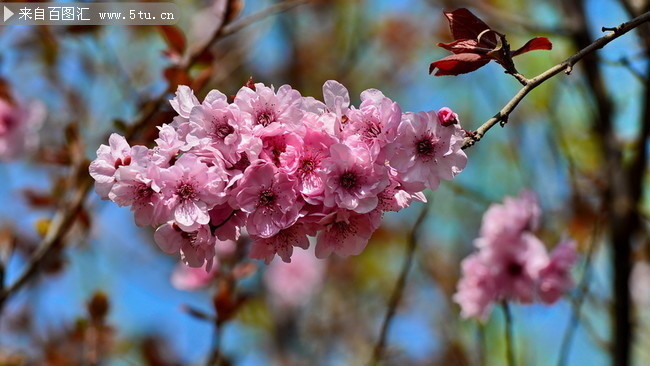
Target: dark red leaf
[(464, 46), (465, 25), (538, 43), (174, 37), (458, 64)]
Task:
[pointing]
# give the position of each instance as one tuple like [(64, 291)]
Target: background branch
[(396, 296)]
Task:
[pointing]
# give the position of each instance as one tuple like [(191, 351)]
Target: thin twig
[(215, 349), (61, 223), (227, 29), (396, 296), (510, 352), (566, 66)]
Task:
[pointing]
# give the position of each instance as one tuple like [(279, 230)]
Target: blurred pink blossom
[(19, 127), (292, 284), (195, 278)]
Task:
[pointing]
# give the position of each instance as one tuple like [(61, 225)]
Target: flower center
[(143, 191), (265, 118), (267, 197), (307, 166), (348, 180), (186, 191), (425, 147), (222, 130), (372, 130), (515, 269)]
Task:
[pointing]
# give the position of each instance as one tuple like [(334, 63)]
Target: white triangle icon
[(8, 13)]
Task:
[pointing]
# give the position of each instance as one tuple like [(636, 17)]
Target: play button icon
[(7, 14)]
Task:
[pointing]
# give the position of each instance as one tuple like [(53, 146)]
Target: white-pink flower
[(425, 152), (109, 158), (269, 110), (353, 181), (269, 197), (135, 187), (310, 167), (184, 101), (191, 189), (196, 247), (346, 233), (375, 122), (281, 243)]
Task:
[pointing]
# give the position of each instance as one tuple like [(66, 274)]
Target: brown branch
[(66, 215), (566, 66), (396, 296), (60, 225)]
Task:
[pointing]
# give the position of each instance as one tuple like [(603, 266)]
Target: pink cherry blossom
[(346, 233), (135, 187), (425, 151), (184, 101), (281, 243), (291, 284), (353, 179), (196, 247), (109, 158), (218, 125), (191, 189), (282, 149), (269, 110), (376, 121), (227, 221), (477, 289), (269, 197), (310, 168), (394, 197), (336, 97)]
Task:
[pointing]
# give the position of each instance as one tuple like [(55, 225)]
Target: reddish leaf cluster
[(475, 44)]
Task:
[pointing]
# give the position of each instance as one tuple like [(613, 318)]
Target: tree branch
[(566, 66)]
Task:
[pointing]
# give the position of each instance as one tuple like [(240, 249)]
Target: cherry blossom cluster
[(511, 263), (282, 166)]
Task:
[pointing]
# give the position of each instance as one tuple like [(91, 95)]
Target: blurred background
[(104, 293)]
